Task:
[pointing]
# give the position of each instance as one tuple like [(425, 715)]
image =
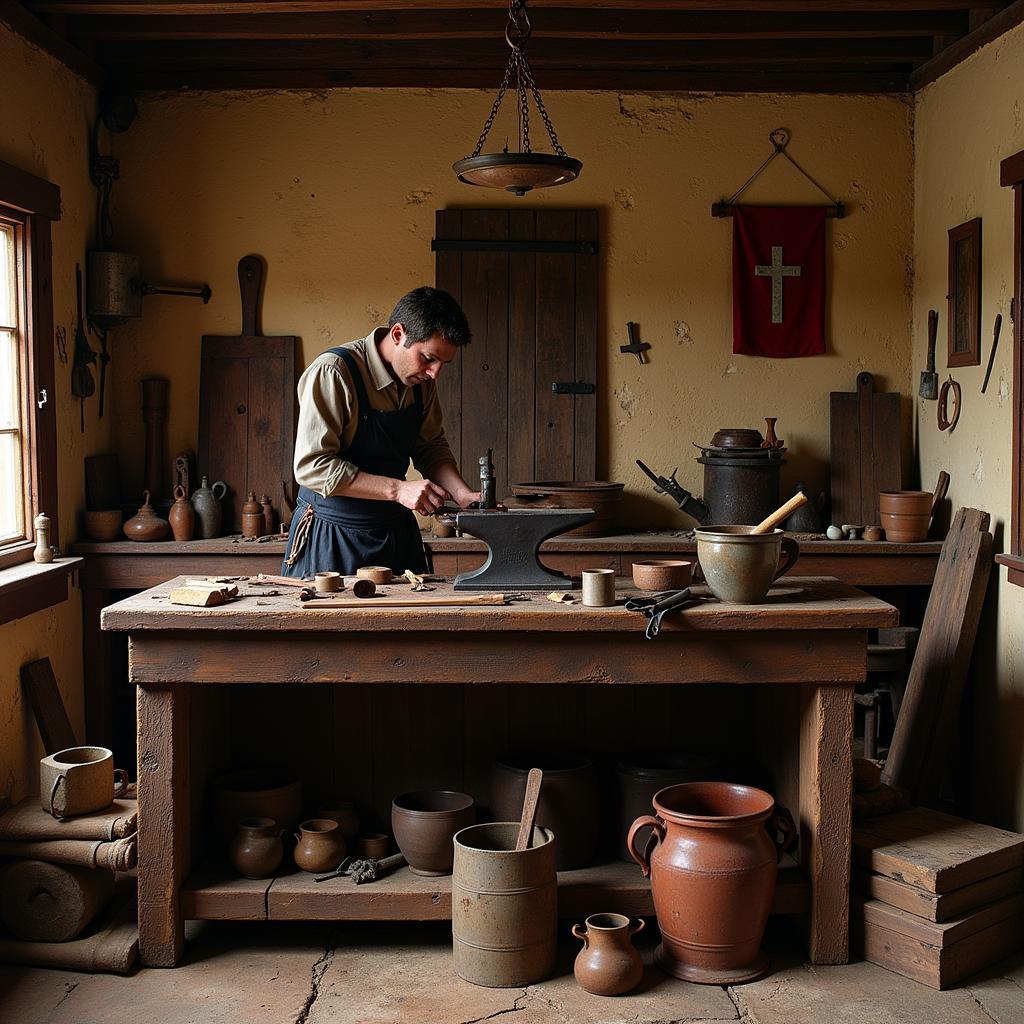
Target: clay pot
[(905, 529), (257, 850), (608, 964), (424, 824), (206, 502), (378, 574), (569, 802), (257, 793), (712, 877), (320, 845), (146, 525), (182, 516), (603, 496), (104, 525), (344, 813), (906, 502), (740, 566), (373, 845), (252, 517), (662, 574)]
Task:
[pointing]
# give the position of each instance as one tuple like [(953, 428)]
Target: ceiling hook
[(779, 139)]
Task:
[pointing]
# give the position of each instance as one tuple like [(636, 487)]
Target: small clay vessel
[(182, 516), (344, 813), (252, 516), (146, 524), (257, 850), (373, 845), (269, 519), (424, 824), (206, 501), (608, 964), (321, 846)]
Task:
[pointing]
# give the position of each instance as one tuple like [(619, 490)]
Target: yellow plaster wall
[(337, 190), (966, 123), (44, 129)]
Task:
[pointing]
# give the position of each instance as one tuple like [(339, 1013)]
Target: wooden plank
[(826, 774), (938, 906), (14, 15), (40, 686), (933, 851), (522, 350), (42, 593), (944, 933), (165, 806), (924, 730), (224, 389), (28, 192), (448, 277), (213, 895), (585, 324)]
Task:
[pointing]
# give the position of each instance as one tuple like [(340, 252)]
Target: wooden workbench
[(806, 641)]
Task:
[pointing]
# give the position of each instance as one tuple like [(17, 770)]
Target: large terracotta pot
[(713, 879)]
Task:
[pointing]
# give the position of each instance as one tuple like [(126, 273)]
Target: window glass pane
[(9, 373), (8, 287), (11, 483)]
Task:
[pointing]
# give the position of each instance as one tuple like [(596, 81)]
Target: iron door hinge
[(572, 387)]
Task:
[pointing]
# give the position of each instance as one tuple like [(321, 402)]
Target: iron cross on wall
[(777, 271)]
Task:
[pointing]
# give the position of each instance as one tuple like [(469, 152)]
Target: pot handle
[(637, 926), (53, 793), (223, 489), (658, 834), (120, 781), (782, 828), (581, 935), (790, 553)]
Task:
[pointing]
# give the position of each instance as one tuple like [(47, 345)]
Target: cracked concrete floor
[(320, 973)]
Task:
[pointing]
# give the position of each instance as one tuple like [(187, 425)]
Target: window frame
[(35, 204)]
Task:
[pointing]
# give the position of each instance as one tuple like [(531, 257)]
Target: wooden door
[(527, 280)]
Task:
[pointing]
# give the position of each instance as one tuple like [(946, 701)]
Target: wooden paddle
[(769, 524), (533, 783)]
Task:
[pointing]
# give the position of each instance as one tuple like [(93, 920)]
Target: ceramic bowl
[(662, 574), (905, 529), (380, 574), (739, 566), (905, 502), (104, 525), (424, 824), (373, 845)]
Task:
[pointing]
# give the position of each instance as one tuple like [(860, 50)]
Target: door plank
[(585, 406), (448, 276)]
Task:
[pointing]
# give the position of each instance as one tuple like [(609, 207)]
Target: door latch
[(572, 387), (43, 398)]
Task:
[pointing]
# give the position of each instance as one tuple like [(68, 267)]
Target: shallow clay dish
[(662, 574), (104, 525)]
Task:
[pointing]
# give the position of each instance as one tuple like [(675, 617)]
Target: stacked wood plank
[(936, 898)]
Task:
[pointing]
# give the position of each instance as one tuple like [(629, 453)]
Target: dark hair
[(427, 311)]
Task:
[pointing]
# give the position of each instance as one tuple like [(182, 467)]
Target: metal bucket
[(504, 906)]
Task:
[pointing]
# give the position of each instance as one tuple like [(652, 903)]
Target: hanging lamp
[(518, 172)]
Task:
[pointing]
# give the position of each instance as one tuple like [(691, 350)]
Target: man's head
[(425, 329)]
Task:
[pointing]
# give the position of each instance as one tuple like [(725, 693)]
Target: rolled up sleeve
[(432, 448), (326, 409)]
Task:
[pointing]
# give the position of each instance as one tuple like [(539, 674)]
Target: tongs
[(654, 608)]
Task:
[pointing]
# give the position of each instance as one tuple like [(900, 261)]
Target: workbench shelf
[(215, 894)]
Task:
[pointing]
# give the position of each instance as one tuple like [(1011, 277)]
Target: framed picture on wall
[(964, 320)]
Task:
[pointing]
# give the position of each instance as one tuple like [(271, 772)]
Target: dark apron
[(346, 533)]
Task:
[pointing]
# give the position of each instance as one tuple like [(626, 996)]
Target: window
[(28, 458)]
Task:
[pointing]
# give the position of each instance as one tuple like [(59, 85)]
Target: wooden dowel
[(779, 514)]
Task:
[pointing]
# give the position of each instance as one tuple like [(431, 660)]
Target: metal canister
[(504, 906), (741, 490)]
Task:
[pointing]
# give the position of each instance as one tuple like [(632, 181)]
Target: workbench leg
[(97, 676), (164, 821), (826, 795)]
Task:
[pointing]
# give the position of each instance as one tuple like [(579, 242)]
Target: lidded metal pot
[(741, 479)]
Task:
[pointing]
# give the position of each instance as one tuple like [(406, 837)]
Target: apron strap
[(302, 528)]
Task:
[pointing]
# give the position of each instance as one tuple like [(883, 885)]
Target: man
[(365, 409)]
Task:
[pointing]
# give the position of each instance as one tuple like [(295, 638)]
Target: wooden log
[(41, 902), (29, 822)]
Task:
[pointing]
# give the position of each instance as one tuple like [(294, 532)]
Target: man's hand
[(422, 496), (466, 498)]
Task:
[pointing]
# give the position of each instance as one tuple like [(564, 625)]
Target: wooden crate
[(937, 954)]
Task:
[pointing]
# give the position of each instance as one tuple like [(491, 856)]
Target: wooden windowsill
[(1014, 568), (29, 587)]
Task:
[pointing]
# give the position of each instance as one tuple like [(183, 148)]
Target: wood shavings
[(561, 597), (416, 581)]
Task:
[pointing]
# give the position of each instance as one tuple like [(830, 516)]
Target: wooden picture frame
[(963, 331)]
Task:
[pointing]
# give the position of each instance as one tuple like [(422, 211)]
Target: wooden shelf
[(616, 887)]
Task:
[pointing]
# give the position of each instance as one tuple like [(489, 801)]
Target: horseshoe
[(945, 422)]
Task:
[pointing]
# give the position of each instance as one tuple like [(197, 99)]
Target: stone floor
[(390, 974)]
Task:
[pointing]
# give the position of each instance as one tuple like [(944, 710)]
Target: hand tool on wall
[(929, 387), (82, 384), (947, 421), (634, 348), (992, 354), (693, 507)]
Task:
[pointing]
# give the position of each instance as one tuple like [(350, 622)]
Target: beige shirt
[(328, 416)]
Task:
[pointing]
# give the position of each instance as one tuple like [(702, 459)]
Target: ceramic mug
[(79, 780)]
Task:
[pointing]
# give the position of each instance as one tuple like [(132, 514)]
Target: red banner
[(778, 281)]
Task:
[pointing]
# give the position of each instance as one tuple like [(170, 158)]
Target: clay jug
[(146, 524), (252, 516), (712, 877), (269, 519), (608, 964), (182, 516), (257, 850), (206, 502), (321, 846)]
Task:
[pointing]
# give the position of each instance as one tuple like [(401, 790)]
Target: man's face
[(422, 360)]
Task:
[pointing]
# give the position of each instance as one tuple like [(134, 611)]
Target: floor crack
[(69, 987), (741, 1013), (514, 1008), (317, 972), (981, 1006)]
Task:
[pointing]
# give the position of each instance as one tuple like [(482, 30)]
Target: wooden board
[(40, 685), (938, 906), (919, 752), (938, 955), (865, 450), (933, 851), (248, 407)]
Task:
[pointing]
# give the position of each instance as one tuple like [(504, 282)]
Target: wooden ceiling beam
[(27, 26), (557, 23)]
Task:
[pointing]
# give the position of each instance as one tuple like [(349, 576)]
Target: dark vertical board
[(267, 430), (522, 349), (435, 738), (654, 725), (547, 717), (485, 361), (225, 387), (391, 749), (585, 406), (40, 686), (448, 276), (353, 746), (555, 347), (610, 720)]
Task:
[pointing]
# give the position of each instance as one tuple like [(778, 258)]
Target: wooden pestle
[(533, 783), (766, 525)]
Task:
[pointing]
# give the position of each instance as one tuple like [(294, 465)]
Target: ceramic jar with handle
[(321, 846), (608, 964), (79, 780), (257, 850), (182, 516), (206, 501), (712, 874)]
